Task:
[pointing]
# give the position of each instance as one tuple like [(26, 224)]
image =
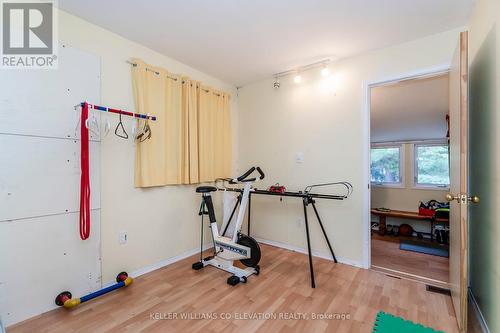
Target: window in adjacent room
[(385, 165), (432, 168)]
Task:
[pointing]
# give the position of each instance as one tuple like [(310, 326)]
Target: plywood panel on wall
[(41, 176), (41, 102), (41, 253), (41, 257)]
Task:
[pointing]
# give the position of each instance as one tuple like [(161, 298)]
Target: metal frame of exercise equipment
[(308, 198), (238, 247)]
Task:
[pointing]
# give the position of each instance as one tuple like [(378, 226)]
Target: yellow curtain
[(222, 135), (227, 137), (214, 135), (158, 160), (149, 89), (191, 139), (190, 105), (206, 131)]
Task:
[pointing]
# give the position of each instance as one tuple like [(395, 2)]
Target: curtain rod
[(170, 77)]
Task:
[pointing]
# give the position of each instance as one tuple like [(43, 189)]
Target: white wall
[(410, 110), (331, 129)]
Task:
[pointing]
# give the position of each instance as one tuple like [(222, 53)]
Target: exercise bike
[(238, 247)]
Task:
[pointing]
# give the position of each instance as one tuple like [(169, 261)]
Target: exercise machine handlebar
[(246, 174), (243, 177), (261, 173)]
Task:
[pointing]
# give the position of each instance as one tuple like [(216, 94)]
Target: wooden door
[(458, 195)]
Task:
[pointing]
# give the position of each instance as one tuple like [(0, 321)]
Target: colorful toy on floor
[(65, 298), (388, 323)]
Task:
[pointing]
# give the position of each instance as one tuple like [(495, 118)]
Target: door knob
[(461, 198), (473, 199)]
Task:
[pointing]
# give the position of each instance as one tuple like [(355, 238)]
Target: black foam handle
[(262, 175), (246, 174)]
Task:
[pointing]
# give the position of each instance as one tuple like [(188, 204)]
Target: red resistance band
[(85, 181)]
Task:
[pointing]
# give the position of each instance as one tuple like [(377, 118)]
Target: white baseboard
[(477, 310), (314, 253), (161, 264)]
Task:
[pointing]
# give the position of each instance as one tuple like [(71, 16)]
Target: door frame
[(367, 86)]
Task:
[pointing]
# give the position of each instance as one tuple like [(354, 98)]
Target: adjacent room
[(249, 166), (409, 170)]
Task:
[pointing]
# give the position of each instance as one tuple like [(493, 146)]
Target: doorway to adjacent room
[(409, 175)]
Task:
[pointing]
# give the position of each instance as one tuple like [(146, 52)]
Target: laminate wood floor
[(386, 254), (282, 289)]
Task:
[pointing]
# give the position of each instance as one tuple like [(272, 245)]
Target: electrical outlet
[(122, 237)]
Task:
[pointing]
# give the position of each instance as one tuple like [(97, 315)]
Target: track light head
[(297, 79), (276, 83)]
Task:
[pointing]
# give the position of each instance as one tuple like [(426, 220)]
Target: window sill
[(401, 186), (430, 187)]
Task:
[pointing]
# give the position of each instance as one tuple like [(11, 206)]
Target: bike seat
[(206, 189)]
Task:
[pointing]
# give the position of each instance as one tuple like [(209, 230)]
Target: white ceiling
[(242, 41), (410, 110)]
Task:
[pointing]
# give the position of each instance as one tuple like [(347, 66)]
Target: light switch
[(299, 157), (122, 237)]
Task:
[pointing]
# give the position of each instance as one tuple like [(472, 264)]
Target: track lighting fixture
[(297, 78)]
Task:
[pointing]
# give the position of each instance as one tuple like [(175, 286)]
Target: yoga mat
[(427, 248), (388, 323)]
